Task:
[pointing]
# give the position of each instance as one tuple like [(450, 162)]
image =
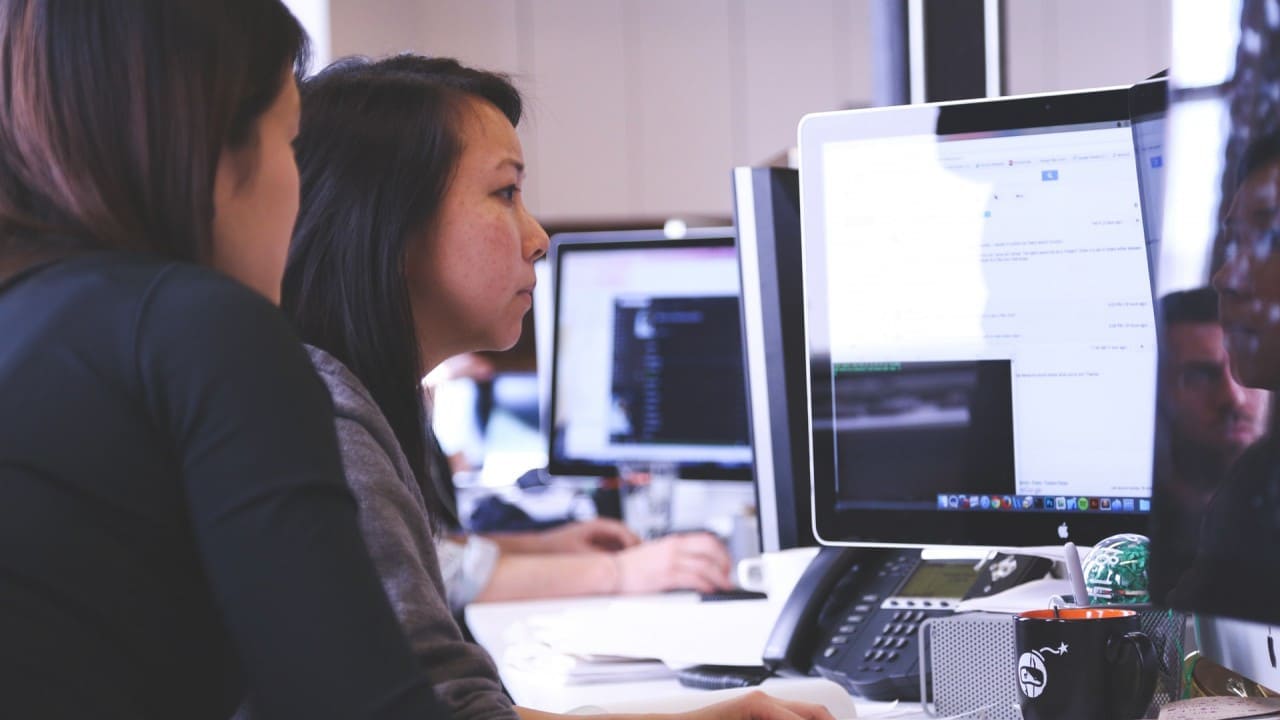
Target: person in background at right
[(1237, 538), (1212, 418)]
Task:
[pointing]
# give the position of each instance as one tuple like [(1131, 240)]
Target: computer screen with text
[(980, 308), (648, 362)]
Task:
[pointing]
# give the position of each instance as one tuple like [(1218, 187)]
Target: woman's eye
[(509, 193)]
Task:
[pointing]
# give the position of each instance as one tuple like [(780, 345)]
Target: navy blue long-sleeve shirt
[(175, 531)]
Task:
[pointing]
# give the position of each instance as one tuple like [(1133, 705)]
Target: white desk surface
[(495, 624)]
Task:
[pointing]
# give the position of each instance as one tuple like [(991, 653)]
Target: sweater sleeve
[(250, 427), (403, 549)]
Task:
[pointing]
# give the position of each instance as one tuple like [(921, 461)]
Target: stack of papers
[(571, 669), (634, 639)]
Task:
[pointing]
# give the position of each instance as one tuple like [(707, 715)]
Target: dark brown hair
[(1198, 305), (113, 114), (378, 147)]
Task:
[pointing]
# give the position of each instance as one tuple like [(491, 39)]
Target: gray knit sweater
[(393, 518)]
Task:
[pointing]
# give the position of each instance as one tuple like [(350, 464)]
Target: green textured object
[(1116, 570)]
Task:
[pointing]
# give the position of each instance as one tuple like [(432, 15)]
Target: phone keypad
[(871, 645), (886, 648)]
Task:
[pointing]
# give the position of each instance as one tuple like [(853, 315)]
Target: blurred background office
[(638, 109)]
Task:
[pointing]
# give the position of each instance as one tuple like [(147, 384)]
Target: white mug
[(774, 573)]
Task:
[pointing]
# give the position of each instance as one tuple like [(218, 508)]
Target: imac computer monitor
[(647, 354), (1216, 525), (980, 322), (767, 216)]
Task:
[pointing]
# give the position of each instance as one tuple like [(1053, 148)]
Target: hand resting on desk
[(692, 561), (754, 705), (689, 561)]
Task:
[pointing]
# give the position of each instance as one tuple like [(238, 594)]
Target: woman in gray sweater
[(413, 245)]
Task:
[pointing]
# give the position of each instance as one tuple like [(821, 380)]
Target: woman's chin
[(503, 342)]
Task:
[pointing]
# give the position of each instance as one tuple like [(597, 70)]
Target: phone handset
[(790, 647)]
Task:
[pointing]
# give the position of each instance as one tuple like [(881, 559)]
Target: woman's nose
[(1232, 276), (535, 239)]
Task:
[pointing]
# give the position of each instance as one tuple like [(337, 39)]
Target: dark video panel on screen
[(674, 359), (907, 432)]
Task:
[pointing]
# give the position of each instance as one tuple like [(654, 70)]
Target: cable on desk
[(722, 677)]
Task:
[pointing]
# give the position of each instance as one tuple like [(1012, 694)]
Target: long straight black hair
[(377, 149)]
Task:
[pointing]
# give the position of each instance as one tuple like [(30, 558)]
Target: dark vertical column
[(936, 50), (955, 58)]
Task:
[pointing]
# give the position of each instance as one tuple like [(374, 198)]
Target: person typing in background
[(514, 565)]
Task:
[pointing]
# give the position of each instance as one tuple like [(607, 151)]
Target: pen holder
[(969, 662)]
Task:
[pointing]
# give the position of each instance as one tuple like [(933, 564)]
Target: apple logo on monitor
[(1063, 532)]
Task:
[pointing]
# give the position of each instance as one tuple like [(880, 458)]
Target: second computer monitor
[(647, 354), (767, 215), (980, 322)]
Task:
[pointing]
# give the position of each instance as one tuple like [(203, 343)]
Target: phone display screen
[(940, 580)]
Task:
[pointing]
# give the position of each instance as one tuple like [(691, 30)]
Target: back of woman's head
[(113, 114), (378, 146)]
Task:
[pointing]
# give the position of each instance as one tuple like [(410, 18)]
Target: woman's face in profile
[(1248, 282), (255, 198), (471, 276)]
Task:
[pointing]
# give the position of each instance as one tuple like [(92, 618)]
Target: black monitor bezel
[(777, 396), (570, 242), (1149, 99), (835, 526)]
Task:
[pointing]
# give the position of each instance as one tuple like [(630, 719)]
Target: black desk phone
[(854, 614)]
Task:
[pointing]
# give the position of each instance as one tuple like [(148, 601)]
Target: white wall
[(639, 108), (1055, 45), (314, 16)]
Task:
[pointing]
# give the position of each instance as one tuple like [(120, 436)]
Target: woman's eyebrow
[(519, 166)]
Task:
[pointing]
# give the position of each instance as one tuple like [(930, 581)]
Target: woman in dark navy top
[(175, 532)]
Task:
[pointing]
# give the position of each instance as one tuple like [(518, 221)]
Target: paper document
[(679, 634), (566, 669)]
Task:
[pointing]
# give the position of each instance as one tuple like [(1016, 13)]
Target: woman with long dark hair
[(175, 530), (413, 245)]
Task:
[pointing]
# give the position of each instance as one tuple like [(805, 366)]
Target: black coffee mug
[(1083, 663)]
